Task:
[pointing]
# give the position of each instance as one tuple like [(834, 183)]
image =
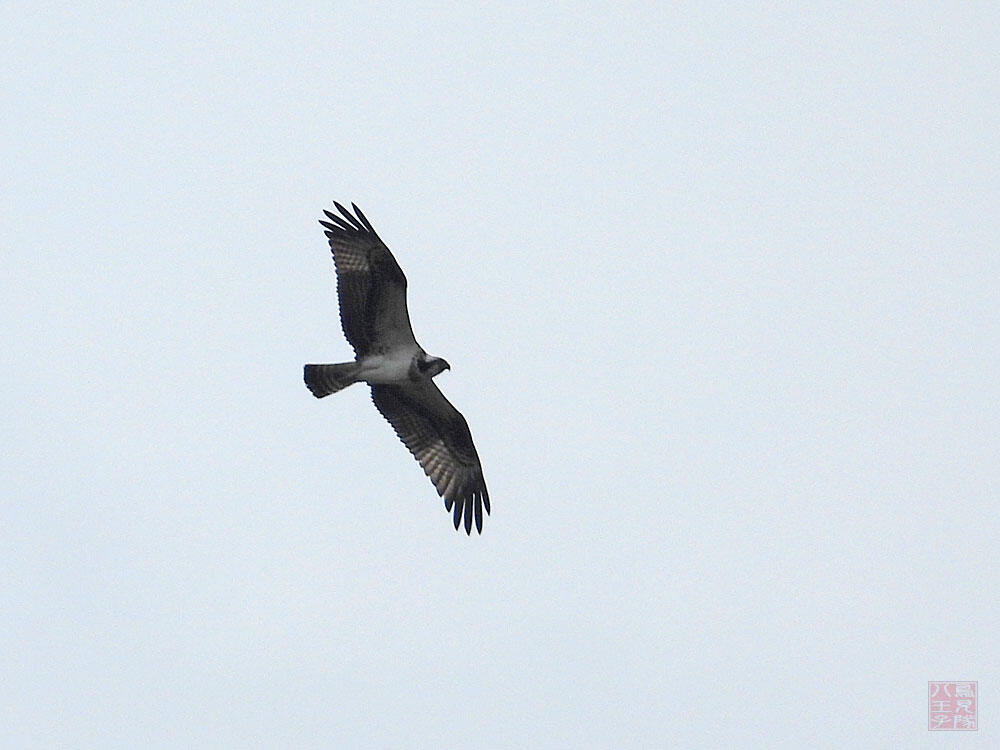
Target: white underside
[(391, 367)]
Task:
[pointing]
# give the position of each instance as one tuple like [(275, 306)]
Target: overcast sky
[(719, 289)]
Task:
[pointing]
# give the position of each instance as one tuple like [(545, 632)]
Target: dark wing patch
[(438, 436), (371, 286)]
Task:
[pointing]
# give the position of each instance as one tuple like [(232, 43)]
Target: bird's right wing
[(371, 286)]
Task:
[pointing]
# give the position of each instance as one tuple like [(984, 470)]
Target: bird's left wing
[(438, 436)]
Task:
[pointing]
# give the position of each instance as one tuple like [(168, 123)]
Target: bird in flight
[(372, 292)]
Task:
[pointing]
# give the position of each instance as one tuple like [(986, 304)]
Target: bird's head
[(431, 366)]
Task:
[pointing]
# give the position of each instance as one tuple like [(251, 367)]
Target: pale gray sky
[(718, 284)]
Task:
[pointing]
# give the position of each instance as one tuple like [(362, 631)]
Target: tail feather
[(323, 380)]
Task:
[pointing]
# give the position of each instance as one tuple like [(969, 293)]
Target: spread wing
[(438, 436), (370, 285)]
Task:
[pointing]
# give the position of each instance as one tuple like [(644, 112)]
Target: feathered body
[(371, 288)]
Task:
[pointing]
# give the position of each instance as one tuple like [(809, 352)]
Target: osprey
[(372, 292)]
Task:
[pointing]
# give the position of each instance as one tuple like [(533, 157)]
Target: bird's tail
[(323, 380)]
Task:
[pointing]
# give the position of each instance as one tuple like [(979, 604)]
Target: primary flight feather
[(371, 288)]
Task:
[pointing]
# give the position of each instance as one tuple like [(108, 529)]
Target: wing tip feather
[(357, 225), (364, 219), (479, 513), (347, 222)]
